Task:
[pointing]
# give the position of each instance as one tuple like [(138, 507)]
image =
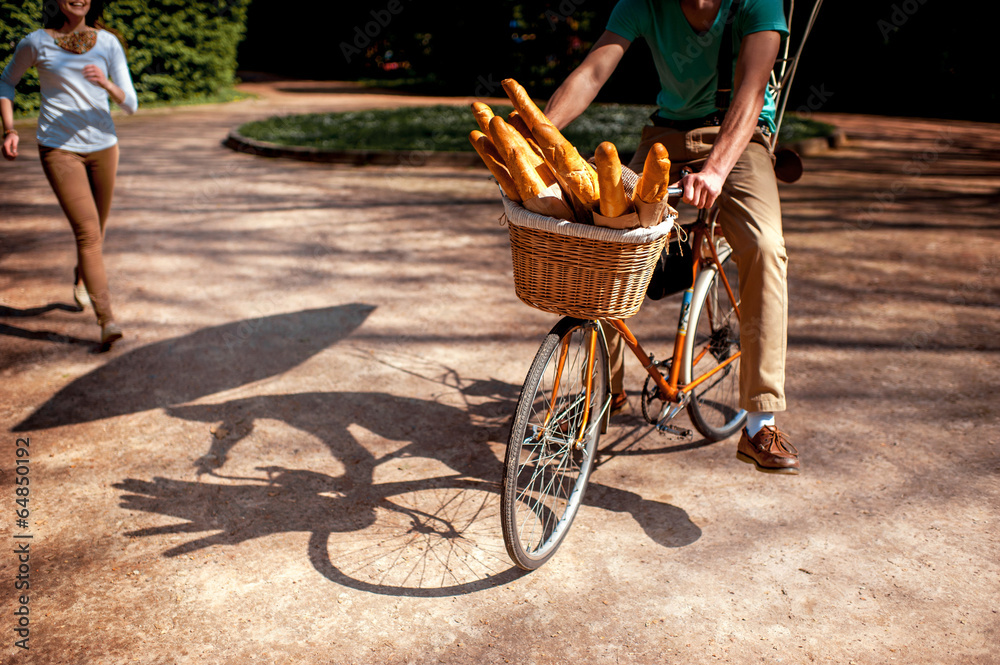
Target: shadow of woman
[(13, 312), (204, 362)]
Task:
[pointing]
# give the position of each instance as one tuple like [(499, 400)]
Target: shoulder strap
[(724, 85)]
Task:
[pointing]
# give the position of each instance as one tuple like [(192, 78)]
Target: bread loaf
[(526, 108), (652, 185), (530, 174), (482, 113), (518, 123), (577, 176), (613, 202), (494, 162)]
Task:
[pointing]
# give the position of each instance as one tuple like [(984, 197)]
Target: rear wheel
[(551, 451), (713, 338)]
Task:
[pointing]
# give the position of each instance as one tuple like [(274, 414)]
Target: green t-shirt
[(687, 61)]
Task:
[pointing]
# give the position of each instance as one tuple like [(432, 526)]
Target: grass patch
[(440, 128), (796, 128), (445, 128)]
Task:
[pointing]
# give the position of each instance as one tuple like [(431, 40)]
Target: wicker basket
[(588, 272)]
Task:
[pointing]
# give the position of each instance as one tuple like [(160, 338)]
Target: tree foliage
[(176, 48), (445, 48), (900, 57)]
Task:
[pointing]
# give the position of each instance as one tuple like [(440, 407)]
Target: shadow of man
[(385, 537)]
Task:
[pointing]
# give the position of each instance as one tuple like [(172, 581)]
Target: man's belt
[(711, 120)]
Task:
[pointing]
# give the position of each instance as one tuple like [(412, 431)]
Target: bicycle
[(564, 403)]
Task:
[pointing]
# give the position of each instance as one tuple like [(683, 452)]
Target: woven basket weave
[(578, 270)]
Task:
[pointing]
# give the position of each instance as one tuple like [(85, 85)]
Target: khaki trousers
[(84, 185), (750, 217)]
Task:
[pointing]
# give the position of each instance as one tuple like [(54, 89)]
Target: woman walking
[(77, 143)]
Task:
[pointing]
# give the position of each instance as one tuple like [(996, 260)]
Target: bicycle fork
[(589, 385)]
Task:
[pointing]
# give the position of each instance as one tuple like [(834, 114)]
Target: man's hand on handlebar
[(701, 189)]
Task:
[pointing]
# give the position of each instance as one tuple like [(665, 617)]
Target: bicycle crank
[(651, 412), (668, 414)]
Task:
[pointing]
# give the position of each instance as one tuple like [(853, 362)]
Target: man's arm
[(753, 71), (582, 85)]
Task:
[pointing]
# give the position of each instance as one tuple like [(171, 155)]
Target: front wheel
[(713, 338), (551, 449)]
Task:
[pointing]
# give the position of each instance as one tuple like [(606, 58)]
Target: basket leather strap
[(724, 83)]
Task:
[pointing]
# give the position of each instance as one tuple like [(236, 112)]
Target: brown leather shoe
[(769, 450)]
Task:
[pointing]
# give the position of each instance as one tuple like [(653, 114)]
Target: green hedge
[(177, 49)]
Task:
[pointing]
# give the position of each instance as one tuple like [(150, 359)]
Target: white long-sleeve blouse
[(75, 114)]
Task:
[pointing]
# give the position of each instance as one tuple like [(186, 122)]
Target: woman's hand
[(94, 74), (10, 145)]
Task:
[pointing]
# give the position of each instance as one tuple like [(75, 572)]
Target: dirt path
[(293, 455)]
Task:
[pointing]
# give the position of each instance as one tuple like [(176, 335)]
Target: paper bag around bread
[(550, 203), (650, 196), (643, 214), (539, 190)]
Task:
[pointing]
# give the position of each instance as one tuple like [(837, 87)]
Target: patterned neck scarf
[(78, 42)]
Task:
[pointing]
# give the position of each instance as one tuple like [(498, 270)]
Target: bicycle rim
[(714, 336), (546, 470)]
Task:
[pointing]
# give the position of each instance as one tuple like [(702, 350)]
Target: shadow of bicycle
[(378, 525), (406, 536)]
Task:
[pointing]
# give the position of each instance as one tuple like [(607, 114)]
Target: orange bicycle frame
[(668, 387)]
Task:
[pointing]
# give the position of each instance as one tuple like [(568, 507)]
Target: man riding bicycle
[(727, 144)]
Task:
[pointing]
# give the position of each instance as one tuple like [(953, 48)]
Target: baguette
[(482, 113), (494, 162), (613, 202), (526, 108), (518, 123), (577, 176), (652, 185), (530, 174)]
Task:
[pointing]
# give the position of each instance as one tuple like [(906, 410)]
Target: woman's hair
[(54, 19)]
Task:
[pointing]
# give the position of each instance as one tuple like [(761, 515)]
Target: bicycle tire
[(540, 500), (714, 328)]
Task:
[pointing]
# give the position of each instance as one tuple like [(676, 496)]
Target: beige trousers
[(84, 185), (750, 217)]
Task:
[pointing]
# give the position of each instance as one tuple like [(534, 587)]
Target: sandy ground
[(293, 456)]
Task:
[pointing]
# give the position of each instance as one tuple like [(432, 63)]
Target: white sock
[(756, 420)]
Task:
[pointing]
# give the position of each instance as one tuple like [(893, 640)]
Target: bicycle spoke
[(714, 406), (550, 452)]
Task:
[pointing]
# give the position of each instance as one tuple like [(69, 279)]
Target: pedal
[(682, 432)]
